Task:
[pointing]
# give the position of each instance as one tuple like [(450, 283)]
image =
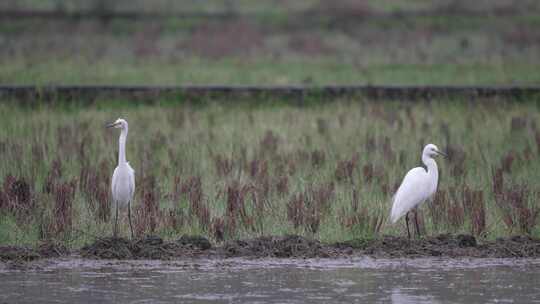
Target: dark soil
[(194, 242), (25, 254), (150, 247), (290, 246), (52, 249), (11, 253), (445, 245)]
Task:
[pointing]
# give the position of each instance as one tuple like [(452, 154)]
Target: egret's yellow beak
[(112, 125)]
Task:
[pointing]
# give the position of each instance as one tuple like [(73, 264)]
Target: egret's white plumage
[(123, 179), (418, 185), (123, 184)]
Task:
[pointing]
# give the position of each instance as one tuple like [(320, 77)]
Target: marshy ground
[(289, 246), (324, 170)]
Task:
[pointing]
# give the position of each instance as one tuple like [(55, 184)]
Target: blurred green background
[(270, 42)]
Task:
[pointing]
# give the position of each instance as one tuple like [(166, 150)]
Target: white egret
[(418, 185), (123, 179)]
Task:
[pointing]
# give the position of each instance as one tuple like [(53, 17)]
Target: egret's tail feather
[(394, 218), (395, 215)]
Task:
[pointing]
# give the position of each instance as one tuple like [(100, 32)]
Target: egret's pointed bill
[(441, 153), (112, 125)]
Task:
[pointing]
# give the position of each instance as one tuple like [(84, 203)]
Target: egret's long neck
[(432, 170), (122, 146)]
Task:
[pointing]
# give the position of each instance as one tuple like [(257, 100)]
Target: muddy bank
[(446, 245), (292, 246), (151, 247), (25, 254)]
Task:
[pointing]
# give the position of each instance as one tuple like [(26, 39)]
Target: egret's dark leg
[(416, 222), (407, 223), (115, 232), (129, 217)]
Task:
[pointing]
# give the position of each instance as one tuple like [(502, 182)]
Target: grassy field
[(230, 170), (310, 72), (281, 6), (311, 42)]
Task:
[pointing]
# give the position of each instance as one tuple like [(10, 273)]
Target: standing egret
[(123, 179), (418, 185)]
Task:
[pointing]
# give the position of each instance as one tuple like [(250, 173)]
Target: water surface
[(358, 280)]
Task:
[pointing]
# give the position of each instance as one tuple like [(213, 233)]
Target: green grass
[(277, 48), (172, 139), (283, 7), (234, 72)]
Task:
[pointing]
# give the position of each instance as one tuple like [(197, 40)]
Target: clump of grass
[(358, 218), (507, 161), (537, 139), (282, 186), (64, 195), (94, 184), (17, 198), (388, 152), (345, 169), (456, 157), (218, 229), (224, 165), (269, 144), (296, 210), (318, 205), (456, 213), (513, 203), (317, 158), (236, 208), (367, 172), (52, 178), (439, 209), (518, 124), (192, 188), (473, 201), (308, 208)]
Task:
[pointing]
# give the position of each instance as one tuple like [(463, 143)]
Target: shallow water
[(358, 280)]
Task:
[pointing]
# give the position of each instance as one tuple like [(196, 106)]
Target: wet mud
[(150, 247), (446, 245), (25, 254), (290, 246)]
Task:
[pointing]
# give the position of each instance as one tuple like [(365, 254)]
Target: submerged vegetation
[(228, 170)]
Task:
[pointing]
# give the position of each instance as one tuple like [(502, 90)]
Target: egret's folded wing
[(132, 182), (410, 193)]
